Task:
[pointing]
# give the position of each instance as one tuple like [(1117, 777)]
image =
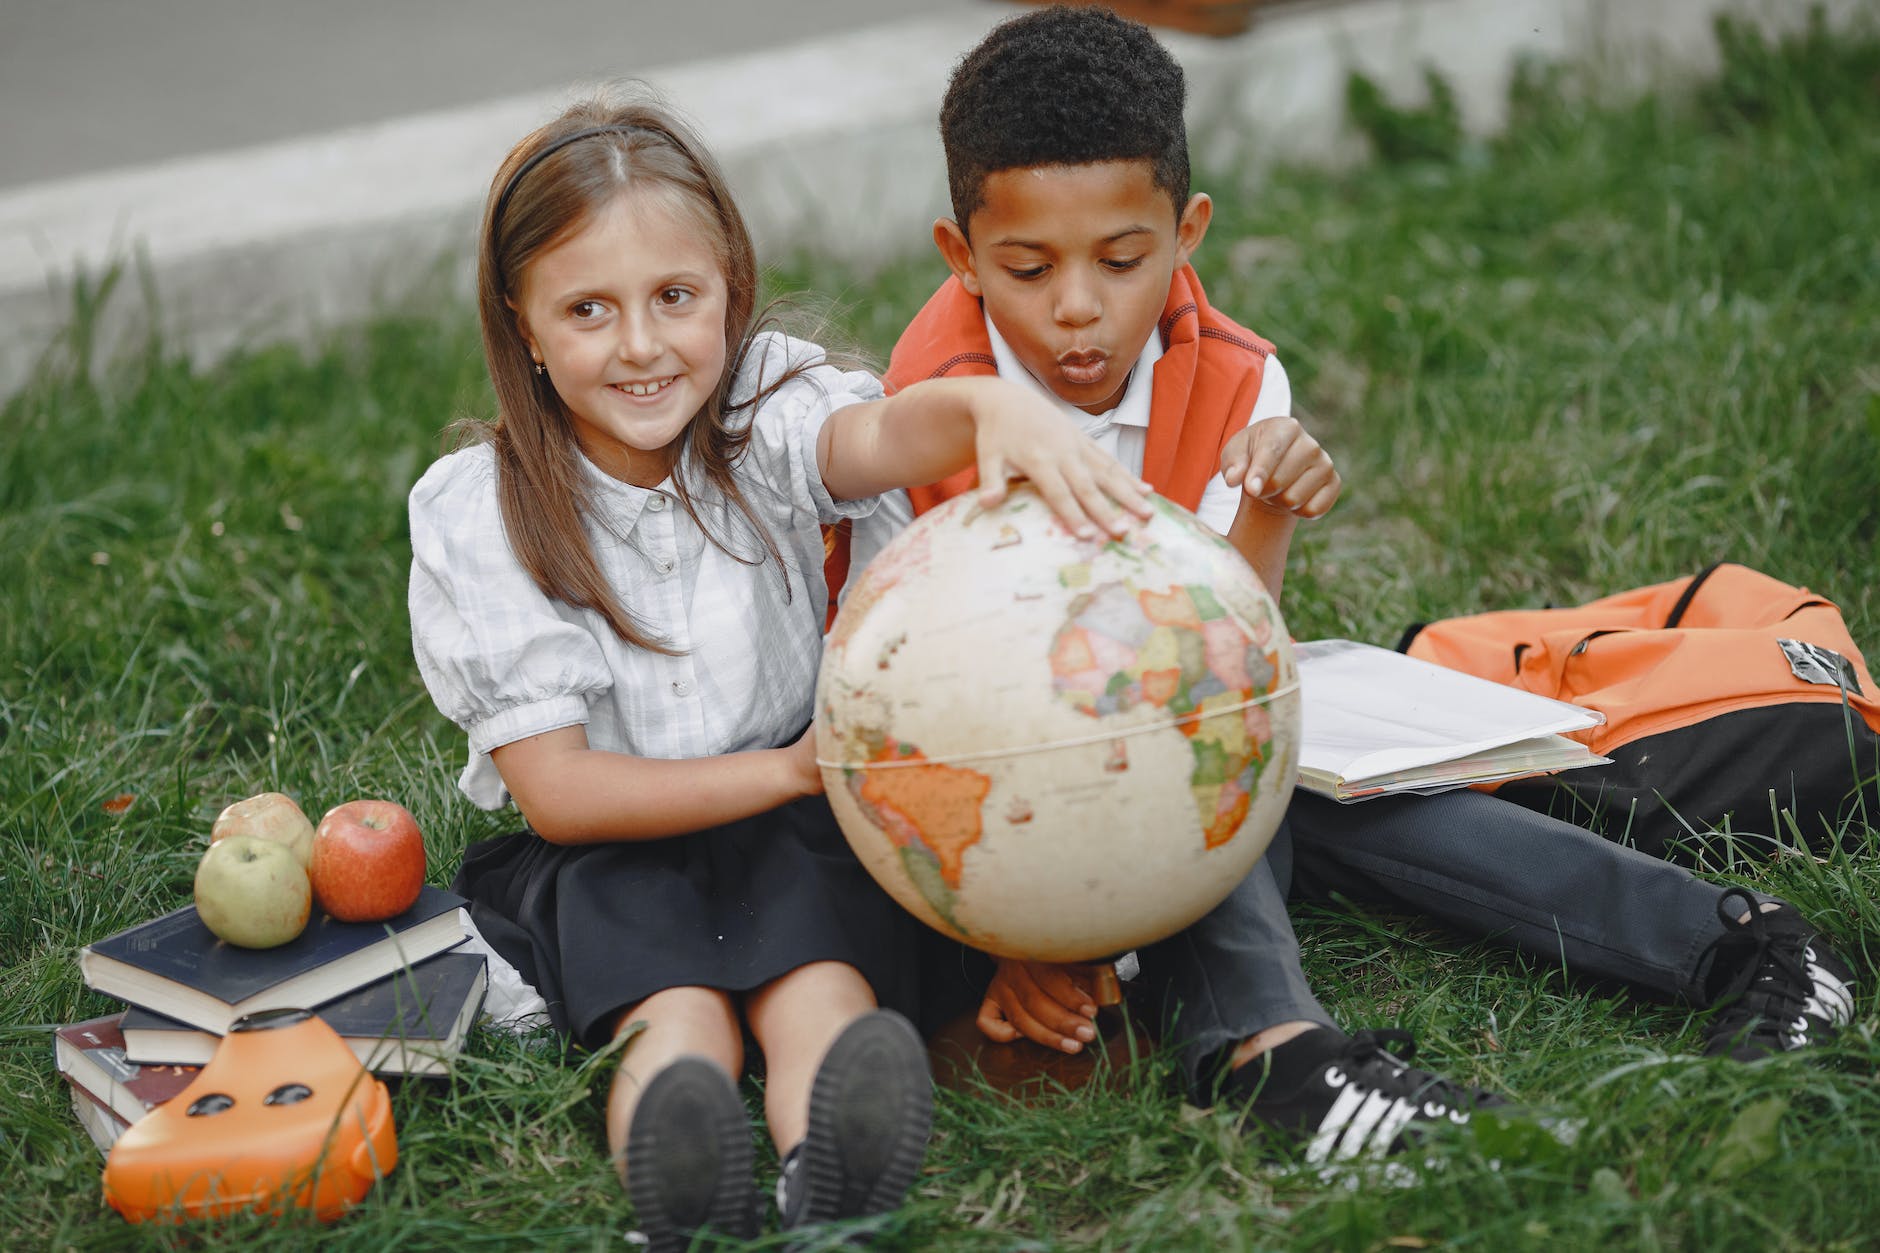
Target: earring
[(540, 368)]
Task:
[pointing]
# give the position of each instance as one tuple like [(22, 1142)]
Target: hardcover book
[(91, 1057), (1374, 722), (175, 966), (412, 1022), (100, 1122)]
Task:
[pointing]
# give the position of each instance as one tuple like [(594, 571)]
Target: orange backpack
[(1728, 696)]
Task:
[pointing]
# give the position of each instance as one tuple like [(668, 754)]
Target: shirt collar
[(1131, 410), (621, 500)]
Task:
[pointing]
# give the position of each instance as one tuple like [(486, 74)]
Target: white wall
[(830, 145)]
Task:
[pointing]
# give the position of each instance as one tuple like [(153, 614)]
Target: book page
[(1539, 756), (1367, 713)]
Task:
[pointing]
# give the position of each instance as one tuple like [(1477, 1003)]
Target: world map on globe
[(1180, 651), (1053, 747)]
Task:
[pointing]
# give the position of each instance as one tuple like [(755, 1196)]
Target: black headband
[(542, 154)]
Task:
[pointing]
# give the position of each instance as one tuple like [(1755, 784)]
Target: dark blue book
[(412, 1022), (176, 966)]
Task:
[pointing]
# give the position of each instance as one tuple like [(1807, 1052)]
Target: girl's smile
[(646, 389), (628, 314)]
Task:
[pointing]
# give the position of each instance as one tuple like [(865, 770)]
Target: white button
[(663, 565), (657, 503), (682, 686)]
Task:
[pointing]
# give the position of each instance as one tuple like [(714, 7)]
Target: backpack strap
[(1690, 591)]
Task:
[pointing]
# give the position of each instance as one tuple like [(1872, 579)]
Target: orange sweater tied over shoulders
[(1206, 382)]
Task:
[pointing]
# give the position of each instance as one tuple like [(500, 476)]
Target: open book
[(1375, 722)]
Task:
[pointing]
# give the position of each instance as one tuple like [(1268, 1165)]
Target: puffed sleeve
[(500, 658), (786, 425)]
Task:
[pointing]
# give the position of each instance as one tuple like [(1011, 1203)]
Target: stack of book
[(392, 990)]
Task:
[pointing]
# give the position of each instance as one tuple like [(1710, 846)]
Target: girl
[(618, 596)]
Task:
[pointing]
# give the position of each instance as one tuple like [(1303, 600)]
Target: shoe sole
[(870, 1110), (689, 1157)]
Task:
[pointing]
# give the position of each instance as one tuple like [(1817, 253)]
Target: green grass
[(1617, 344)]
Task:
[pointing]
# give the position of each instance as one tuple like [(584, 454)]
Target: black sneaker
[(689, 1157), (1790, 990), (870, 1110), (1355, 1096)]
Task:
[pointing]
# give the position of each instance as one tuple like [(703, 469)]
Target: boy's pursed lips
[(1084, 365)]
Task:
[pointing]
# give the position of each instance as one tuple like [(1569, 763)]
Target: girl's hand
[(1047, 1003), (1019, 435), (800, 762), (1282, 469)]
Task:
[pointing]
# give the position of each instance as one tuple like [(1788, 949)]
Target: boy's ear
[(951, 241), (1192, 228)]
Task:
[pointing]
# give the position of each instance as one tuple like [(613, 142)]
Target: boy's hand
[(1047, 1003), (1019, 435), (1282, 468)]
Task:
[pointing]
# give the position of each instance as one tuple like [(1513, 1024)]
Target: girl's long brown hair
[(534, 203)]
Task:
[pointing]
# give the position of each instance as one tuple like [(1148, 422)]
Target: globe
[(1055, 748)]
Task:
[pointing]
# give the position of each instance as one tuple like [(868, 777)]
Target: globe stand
[(1109, 987)]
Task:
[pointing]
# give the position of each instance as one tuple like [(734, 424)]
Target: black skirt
[(597, 928)]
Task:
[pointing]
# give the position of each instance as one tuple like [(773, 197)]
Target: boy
[(1072, 228), (1076, 239)]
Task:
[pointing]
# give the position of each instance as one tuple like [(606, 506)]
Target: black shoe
[(689, 1157), (1790, 990), (1356, 1096), (870, 1110)]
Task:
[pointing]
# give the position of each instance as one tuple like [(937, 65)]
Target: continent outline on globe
[(1166, 661)]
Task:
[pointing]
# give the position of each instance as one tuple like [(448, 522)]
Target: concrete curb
[(830, 146)]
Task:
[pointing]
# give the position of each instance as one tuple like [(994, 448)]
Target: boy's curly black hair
[(1067, 85)]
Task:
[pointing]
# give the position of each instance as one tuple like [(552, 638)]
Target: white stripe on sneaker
[(1354, 1143), (1401, 1112), (1831, 999), (1365, 1124), (1335, 1118), (1360, 1123)]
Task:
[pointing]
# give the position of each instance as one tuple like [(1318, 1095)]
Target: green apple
[(272, 816), (252, 892)]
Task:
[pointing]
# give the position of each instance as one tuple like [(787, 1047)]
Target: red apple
[(368, 861), (252, 892), (272, 816)]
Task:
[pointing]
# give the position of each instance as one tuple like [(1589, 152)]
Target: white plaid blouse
[(504, 661)]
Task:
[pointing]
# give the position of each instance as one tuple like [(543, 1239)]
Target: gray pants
[(1233, 973), (1496, 870), (1489, 868)]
